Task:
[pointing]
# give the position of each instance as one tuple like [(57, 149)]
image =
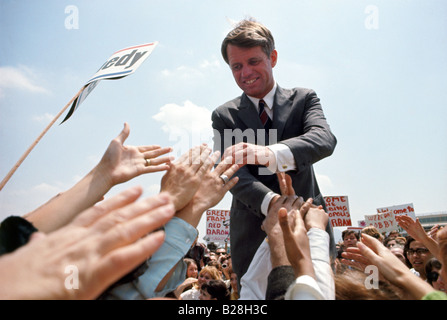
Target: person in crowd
[(234, 292), (350, 238), (212, 257), (197, 253), (206, 274), (417, 232), (191, 268), (433, 270), (394, 233), (220, 251), (225, 261), (416, 255), (442, 243), (398, 251), (289, 134), (191, 277), (393, 241), (82, 258), (373, 232), (216, 264), (214, 290), (371, 251)]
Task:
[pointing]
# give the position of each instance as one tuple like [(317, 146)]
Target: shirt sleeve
[(179, 237), (304, 288), (284, 158), (319, 251), (265, 203), (323, 287)]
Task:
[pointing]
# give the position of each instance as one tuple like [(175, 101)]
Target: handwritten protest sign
[(383, 222), (218, 225), (403, 209), (338, 210)]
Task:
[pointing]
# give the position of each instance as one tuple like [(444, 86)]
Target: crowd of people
[(406, 264), (125, 248)]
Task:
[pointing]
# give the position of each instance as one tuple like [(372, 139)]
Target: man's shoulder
[(294, 91)]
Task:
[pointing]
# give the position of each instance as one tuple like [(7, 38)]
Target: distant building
[(428, 220)]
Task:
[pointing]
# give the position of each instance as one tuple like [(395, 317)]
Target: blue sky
[(379, 68)]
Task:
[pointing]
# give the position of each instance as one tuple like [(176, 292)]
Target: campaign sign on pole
[(403, 209), (383, 222), (218, 226), (121, 64), (338, 211)]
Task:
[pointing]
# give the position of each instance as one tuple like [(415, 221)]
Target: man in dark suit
[(292, 137)]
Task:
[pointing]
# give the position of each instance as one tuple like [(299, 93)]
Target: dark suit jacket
[(299, 123)]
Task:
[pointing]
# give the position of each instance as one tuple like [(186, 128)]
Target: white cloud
[(183, 73), (22, 78), (210, 64), (193, 73), (188, 125), (45, 118)]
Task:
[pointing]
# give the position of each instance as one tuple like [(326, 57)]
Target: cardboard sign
[(384, 222), (403, 209), (123, 62), (218, 226), (338, 211)]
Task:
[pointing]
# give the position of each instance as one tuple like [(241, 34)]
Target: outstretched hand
[(184, 176), (296, 241), (82, 259), (249, 153), (121, 163)]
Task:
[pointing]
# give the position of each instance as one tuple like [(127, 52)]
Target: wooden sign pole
[(27, 152)]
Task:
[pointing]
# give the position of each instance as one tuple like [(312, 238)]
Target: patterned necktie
[(265, 119)]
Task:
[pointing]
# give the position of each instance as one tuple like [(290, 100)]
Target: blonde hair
[(373, 232), (212, 271)]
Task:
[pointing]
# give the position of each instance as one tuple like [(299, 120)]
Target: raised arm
[(119, 164), (415, 230)]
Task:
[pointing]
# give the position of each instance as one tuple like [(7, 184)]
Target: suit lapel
[(281, 111), (248, 114)]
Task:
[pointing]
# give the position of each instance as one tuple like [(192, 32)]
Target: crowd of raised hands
[(81, 245), (106, 239)]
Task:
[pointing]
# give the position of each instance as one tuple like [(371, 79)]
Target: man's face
[(252, 69), (418, 256)]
